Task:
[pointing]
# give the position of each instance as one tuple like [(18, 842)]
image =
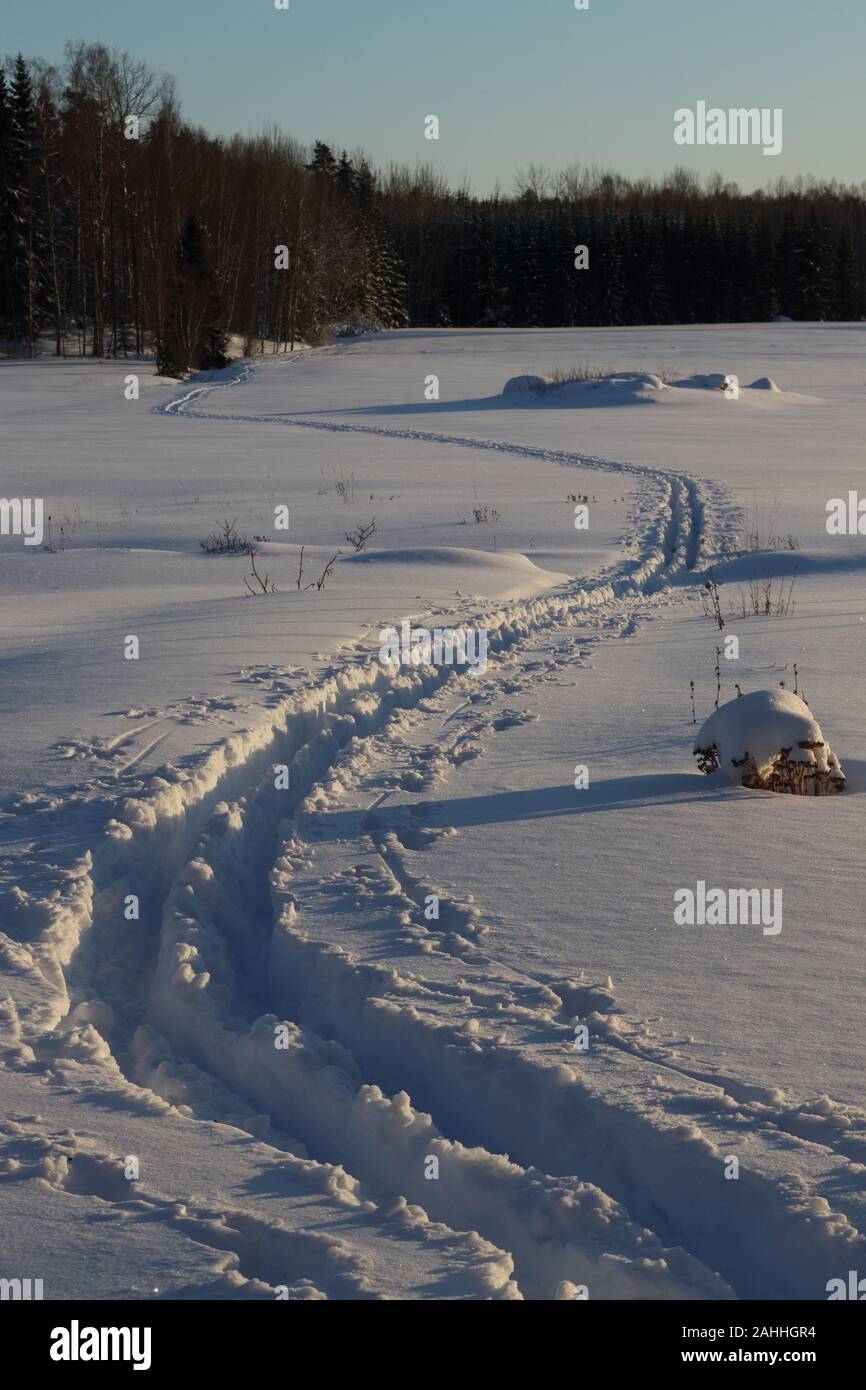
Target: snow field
[(301, 916)]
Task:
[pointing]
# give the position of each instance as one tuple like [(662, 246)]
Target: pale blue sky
[(511, 80)]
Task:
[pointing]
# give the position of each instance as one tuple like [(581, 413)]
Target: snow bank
[(769, 739)]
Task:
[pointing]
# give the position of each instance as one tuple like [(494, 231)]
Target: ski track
[(685, 492), (340, 1249), (600, 1187)]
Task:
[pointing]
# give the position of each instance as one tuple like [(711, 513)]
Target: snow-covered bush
[(770, 740)]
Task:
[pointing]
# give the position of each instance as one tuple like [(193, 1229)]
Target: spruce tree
[(815, 267), (194, 335), (48, 201), (23, 263), (849, 286), (614, 256), (344, 175), (323, 161), (7, 220), (383, 291)]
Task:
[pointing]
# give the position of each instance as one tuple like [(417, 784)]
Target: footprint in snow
[(510, 718)]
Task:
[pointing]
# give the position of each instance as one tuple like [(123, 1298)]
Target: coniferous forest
[(123, 229)]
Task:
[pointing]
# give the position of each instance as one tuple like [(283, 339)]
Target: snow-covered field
[(297, 945)]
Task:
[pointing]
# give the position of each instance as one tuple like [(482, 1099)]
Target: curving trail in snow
[(286, 981), (682, 501)]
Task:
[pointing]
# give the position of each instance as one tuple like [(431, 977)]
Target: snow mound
[(620, 388), (704, 381), (496, 574), (722, 382), (769, 740), (458, 556), (620, 383), (615, 385), (522, 385)]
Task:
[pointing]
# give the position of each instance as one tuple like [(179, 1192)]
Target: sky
[(511, 81)]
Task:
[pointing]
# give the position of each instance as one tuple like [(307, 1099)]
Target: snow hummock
[(762, 725), (520, 385), (585, 390), (704, 381), (623, 387), (503, 573), (622, 383), (456, 556)]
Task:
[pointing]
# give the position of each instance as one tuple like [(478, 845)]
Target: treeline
[(669, 252), (124, 229)]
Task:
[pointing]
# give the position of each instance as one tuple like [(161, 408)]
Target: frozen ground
[(410, 1037)]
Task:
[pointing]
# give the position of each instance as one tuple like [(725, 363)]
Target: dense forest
[(124, 229)]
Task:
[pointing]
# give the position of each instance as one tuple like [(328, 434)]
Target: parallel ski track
[(311, 732)]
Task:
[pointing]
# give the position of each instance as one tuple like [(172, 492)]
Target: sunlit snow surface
[(409, 1036)]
